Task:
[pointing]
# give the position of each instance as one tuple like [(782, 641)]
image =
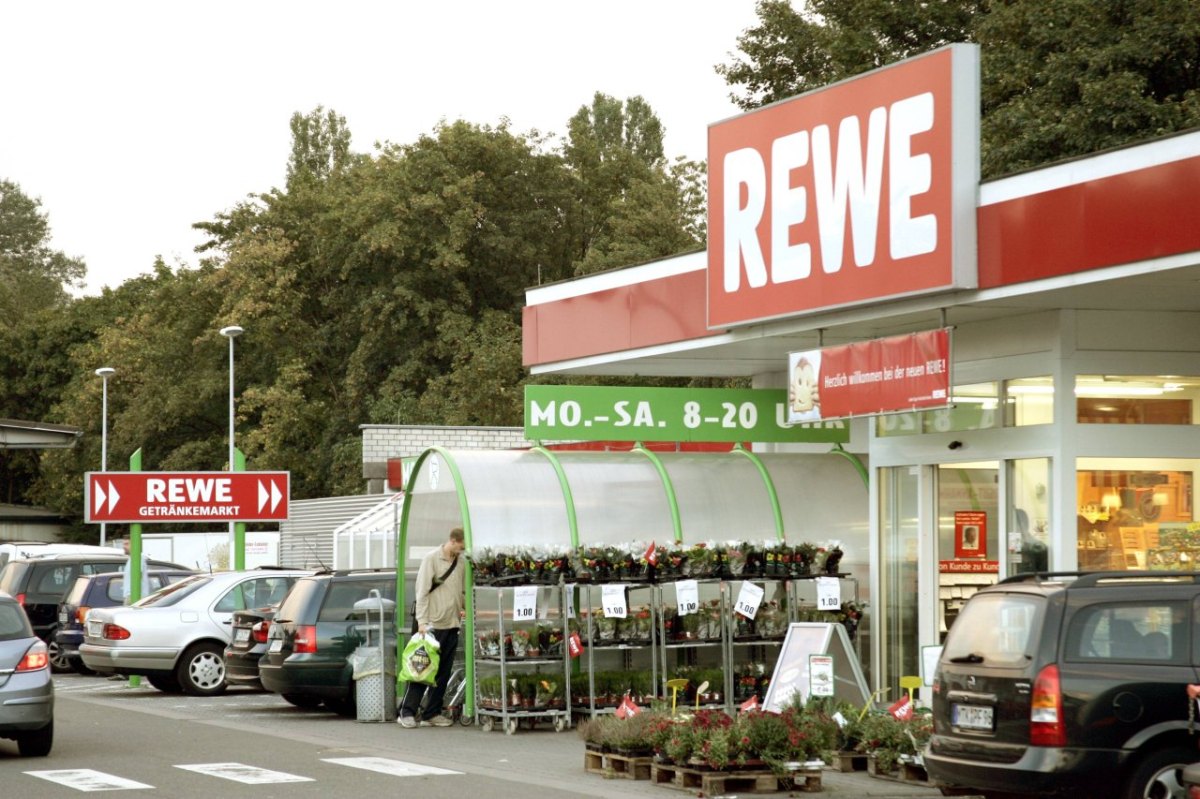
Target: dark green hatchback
[(313, 635)]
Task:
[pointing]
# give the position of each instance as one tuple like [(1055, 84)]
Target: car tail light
[(1046, 727), (305, 640), (81, 614), (1193, 792), (259, 632), (115, 632), (36, 658), (20, 599)]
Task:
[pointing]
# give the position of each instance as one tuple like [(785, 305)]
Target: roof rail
[(1027, 577), (1094, 578)]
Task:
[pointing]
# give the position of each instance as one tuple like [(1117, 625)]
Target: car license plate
[(276, 645), (972, 717), (62, 618), (241, 635)]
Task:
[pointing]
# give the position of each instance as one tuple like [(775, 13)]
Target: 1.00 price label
[(687, 597), (748, 600)]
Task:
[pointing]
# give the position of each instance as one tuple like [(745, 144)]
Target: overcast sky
[(132, 120)]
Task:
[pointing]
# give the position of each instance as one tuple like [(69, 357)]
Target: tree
[(1059, 78), (628, 206), (33, 276)]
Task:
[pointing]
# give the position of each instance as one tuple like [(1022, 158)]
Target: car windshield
[(173, 593), (995, 629)]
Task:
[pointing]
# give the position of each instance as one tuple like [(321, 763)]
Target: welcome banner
[(883, 375)]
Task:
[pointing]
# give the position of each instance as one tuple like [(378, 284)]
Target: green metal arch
[(855, 461), (568, 495), (469, 576), (772, 494), (668, 489)]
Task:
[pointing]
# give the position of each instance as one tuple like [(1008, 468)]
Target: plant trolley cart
[(520, 669)]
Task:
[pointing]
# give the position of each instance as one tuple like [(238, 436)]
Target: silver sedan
[(176, 637), (26, 690)]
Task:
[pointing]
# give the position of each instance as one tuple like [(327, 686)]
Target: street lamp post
[(231, 332), (104, 372)]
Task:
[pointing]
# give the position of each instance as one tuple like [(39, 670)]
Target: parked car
[(37, 549), (1057, 684), (176, 637), (98, 591), (26, 687), (248, 645), (313, 635), (40, 583)]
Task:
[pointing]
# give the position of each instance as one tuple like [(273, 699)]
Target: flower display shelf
[(717, 783), (606, 764)]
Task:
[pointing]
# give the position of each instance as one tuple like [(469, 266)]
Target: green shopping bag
[(419, 660)]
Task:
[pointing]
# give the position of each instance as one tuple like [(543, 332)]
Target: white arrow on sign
[(274, 495), (112, 497)]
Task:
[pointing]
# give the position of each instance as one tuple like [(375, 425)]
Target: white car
[(176, 637)]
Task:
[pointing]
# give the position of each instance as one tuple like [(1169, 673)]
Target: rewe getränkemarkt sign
[(610, 413), (149, 497)]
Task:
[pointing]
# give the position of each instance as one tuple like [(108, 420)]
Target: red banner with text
[(883, 375)]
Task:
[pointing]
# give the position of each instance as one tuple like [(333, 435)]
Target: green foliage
[(33, 276), (1060, 78), (887, 738)]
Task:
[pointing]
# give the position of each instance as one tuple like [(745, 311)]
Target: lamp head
[(105, 371), (233, 331)]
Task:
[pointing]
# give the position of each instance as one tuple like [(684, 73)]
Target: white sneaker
[(407, 722), (438, 721)]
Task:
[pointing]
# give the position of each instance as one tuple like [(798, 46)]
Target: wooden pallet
[(849, 761), (905, 772), (607, 764), (713, 783)]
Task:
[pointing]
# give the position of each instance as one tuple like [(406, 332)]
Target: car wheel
[(201, 670), (38, 742), (346, 706), (165, 683), (78, 666), (59, 663), (302, 700), (1159, 774)]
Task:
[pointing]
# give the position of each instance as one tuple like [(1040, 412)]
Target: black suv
[(314, 632), (41, 583), (1069, 683)]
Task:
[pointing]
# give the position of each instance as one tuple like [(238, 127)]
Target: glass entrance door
[(968, 535)]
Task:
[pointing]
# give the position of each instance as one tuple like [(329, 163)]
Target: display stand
[(613, 647), (693, 644), (502, 644)]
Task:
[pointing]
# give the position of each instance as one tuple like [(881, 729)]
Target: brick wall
[(383, 442)]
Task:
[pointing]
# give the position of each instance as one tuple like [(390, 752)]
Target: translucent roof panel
[(619, 497), (511, 496), (721, 497)]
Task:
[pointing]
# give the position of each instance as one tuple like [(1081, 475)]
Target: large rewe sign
[(149, 497), (853, 193)]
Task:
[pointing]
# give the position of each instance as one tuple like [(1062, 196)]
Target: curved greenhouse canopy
[(539, 497)]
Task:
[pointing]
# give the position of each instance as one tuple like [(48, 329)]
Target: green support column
[(239, 528), (135, 555)]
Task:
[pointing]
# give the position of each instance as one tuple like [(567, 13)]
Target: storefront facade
[(1070, 440)]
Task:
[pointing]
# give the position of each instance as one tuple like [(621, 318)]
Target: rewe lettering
[(179, 489), (846, 188)]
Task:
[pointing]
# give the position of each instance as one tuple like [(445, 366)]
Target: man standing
[(439, 611)]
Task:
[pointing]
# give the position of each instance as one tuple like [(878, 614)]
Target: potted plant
[(803, 555), (488, 642), (711, 612), (701, 560), (733, 558), (520, 642)]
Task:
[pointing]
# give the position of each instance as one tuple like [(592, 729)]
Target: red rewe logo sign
[(853, 193), (150, 497)]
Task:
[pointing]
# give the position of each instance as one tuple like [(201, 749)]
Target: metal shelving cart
[(622, 643), (502, 614)]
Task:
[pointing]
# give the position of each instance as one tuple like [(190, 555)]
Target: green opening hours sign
[(609, 413)]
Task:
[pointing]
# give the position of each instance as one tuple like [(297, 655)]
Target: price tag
[(820, 675), (748, 600), (570, 600), (687, 596), (525, 602), (614, 602), (829, 593)]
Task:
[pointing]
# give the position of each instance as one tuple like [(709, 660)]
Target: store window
[(974, 407), (1028, 545), (1136, 513), (1028, 401), (1136, 399)]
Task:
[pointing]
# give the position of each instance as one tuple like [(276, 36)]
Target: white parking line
[(383, 765), (239, 772), (85, 779)]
